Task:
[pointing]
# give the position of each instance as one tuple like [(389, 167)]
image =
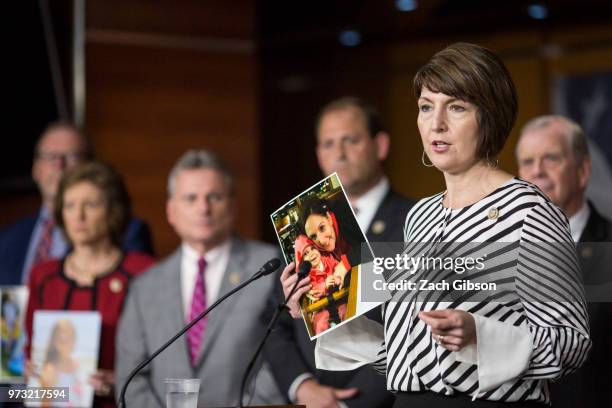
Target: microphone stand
[(279, 309), (188, 326)]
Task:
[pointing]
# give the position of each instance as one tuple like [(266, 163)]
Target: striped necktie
[(43, 251), (198, 305)]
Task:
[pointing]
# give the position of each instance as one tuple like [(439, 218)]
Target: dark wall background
[(30, 99)]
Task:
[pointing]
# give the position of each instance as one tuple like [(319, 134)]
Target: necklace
[(87, 275)]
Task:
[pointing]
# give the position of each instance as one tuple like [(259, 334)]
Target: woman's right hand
[(288, 279)]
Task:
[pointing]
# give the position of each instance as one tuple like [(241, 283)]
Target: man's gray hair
[(572, 131), (199, 159)]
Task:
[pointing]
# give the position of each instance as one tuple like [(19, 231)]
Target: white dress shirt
[(579, 221), (216, 264), (368, 204)]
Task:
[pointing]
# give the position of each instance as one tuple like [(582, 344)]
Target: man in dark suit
[(351, 142), (35, 238), (553, 154)]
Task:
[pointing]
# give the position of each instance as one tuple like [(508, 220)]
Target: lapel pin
[(587, 252), (115, 285), (234, 278), (493, 213), (378, 227)]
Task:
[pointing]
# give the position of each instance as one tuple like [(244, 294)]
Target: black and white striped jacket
[(538, 334)]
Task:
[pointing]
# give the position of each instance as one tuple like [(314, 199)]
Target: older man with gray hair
[(209, 263), (552, 153)]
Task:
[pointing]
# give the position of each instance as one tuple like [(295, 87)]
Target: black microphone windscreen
[(304, 269), (270, 266)]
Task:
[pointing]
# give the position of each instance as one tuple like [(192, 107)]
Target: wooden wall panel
[(187, 17), (148, 102)]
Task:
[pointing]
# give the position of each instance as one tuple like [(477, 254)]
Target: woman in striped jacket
[(523, 320)]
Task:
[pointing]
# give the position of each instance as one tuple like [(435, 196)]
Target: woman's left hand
[(451, 329), (103, 382)]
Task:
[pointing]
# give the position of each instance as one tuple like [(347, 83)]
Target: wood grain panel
[(146, 106), (190, 17)]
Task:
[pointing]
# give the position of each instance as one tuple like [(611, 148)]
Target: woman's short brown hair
[(113, 190), (475, 74)]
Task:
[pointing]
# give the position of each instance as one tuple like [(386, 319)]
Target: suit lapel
[(172, 310), (594, 230), (235, 274), (381, 225), (589, 252)]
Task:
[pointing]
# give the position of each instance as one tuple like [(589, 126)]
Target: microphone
[(266, 269), (303, 271), (269, 267)]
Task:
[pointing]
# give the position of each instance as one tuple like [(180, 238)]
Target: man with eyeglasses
[(36, 238)]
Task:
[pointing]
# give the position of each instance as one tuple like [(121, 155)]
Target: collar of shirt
[(216, 264), (368, 203), (578, 221)]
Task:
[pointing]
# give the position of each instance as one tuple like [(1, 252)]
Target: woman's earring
[(423, 160), (492, 163)]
